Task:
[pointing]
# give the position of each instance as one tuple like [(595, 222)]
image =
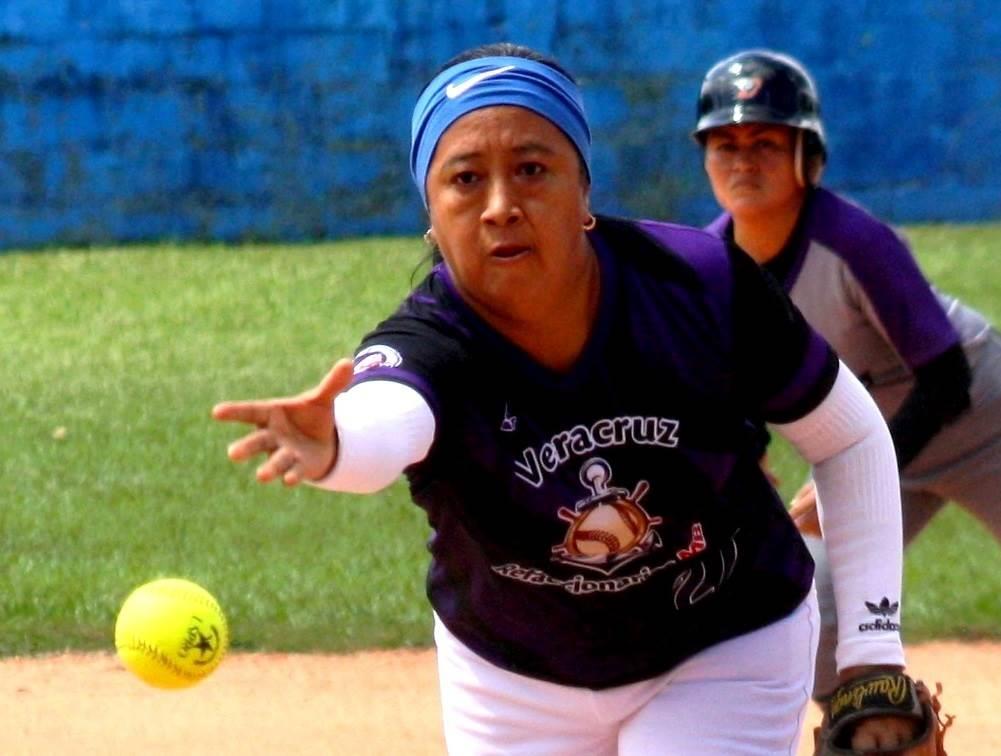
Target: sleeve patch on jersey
[(375, 356)]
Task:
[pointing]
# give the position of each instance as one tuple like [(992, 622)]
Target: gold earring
[(590, 223)]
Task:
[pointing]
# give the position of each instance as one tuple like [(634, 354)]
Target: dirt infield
[(372, 703)]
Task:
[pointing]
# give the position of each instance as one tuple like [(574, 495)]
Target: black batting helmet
[(760, 86)]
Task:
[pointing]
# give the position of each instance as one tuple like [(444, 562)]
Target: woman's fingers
[(805, 494), (260, 412), (766, 468), (282, 461), (808, 524), (277, 465), (260, 441), (295, 432), (335, 381), (253, 413), (294, 475), (802, 507), (803, 511), (882, 734)]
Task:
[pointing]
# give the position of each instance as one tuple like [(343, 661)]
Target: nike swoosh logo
[(457, 90)]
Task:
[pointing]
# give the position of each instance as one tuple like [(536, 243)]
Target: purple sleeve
[(888, 274), (782, 368), (419, 346)]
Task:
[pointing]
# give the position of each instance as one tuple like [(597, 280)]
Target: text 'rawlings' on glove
[(885, 694)]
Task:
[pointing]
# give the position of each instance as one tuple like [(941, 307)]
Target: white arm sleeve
[(855, 469), (382, 427)]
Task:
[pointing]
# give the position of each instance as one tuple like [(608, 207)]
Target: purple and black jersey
[(599, 526)]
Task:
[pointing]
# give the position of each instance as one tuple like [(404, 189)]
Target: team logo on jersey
[(379, 355), (747, 87), (581, 441), (694, 580), (609, 528)]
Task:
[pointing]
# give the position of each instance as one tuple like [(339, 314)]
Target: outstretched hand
[(296, 432)]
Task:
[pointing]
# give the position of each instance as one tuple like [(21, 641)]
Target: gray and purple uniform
[(616, 514), (859, 286)]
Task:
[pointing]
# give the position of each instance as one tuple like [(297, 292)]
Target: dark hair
[(506, 50)]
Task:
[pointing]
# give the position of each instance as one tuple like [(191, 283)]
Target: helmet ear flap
[(801, 179), (815, 156), (810, 158)]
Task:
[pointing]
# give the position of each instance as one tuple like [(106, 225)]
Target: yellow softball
[(171, 633)]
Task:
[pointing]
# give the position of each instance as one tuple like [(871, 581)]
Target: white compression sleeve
[(855, 469), (382, 427)]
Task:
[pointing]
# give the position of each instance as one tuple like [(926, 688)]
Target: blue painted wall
[(123, 120)]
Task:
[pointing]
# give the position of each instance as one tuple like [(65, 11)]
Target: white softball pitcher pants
[(747, 696)]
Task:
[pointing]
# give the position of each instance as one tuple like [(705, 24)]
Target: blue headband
[(484, 82)]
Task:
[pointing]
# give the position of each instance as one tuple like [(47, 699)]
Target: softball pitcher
[(568, 397)]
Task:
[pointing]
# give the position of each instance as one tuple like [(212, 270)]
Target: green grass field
[(114, 474)]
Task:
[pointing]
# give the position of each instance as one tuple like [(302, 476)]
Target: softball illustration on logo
[(608, 528)]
